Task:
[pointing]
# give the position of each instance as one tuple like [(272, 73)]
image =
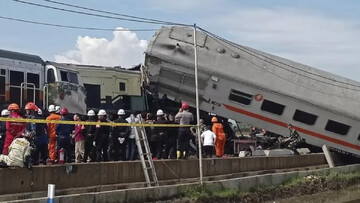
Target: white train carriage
[(27, 78), (255, 87)]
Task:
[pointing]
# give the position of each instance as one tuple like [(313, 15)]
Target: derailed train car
[(254, 87)]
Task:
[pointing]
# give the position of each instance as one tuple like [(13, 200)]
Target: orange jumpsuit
[(218, 129), (52, 135)]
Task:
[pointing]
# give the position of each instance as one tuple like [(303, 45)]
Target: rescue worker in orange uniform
[(218, 129), (13, 129), (52, 133)]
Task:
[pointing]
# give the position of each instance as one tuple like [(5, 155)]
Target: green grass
[(195, 192), (225, 193), (198, 192)]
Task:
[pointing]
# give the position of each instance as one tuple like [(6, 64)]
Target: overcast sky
[(324, 34)]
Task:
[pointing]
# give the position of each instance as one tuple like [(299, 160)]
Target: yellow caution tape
[(25, 120)]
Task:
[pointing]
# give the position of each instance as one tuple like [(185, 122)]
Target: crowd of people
[(46, 143)]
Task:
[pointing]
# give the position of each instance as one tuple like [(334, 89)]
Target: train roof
[(20, 56), (134, 69)]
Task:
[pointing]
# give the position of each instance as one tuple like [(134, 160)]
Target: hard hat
[(185, 106), (214, 120), (121, 112), (91, 113), (5, 112), (30, 106), (39, 111), (102, 112), (64, 111), (52, 108), (159, 112), (13, 106), (57, 109)]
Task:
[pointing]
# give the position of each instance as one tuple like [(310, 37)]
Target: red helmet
[(13, 106), (64, 111), (30, 105), (185, 106)]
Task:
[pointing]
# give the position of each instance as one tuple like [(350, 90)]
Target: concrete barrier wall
[(19, 180), (170, 191)]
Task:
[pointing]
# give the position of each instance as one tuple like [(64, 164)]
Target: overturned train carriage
[(255, 87)]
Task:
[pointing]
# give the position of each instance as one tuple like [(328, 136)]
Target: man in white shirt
[(131, 147), (208, 140)]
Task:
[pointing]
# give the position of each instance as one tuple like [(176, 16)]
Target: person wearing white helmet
[(119, 138), (91, 113), (4, 113), (57, 110), (51, 108), (101, 139), (52, 133), (89, 134), (160, 134)]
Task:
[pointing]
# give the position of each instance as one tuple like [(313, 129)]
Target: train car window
[(69, 77), (64, 76), (240, 97), (304, 117), (122, 86), (73, 78), (2, 72), (16, 78), (33, 78), (272, 107), (337, 127), (359, 137), (50, 76)]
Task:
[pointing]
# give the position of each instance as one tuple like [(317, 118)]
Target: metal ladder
[(145, 157)]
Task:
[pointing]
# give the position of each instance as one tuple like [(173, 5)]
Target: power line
[(107, 12), (99, 15), (76, 27), (255, 54)]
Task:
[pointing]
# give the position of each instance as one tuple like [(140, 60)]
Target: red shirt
[(79, 133)]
